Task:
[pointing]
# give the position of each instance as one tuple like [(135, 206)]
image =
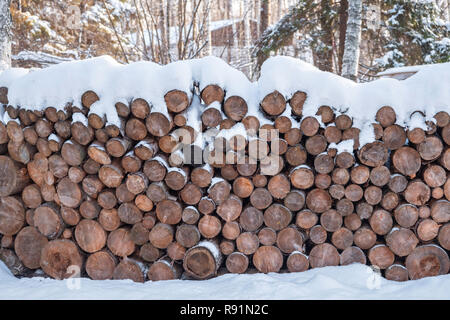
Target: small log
[(417, 193), (73, 153), (100, 266), (296, 155), (209, 226), (318, 200), (331, 220), (431, 148), (219, 191), (364, 238), (267, 236), (297, 262), (261, 198), (401, 241), (386, 116), (128, 269), (290, 240), (316, 144), (268, 259), (235, 108), (191, 194), (176, 251), (163, 269), (380, 176), (120, 243), (76, 174), (140, 108), (295, 200), (203, 260), (109, 219), (228, 172), (143, 203), (444, 236), (90, 235), (373, 154), (342, 238), (89, 209), (28, 245), (247, 243), (337, 191), (352, 255), (149, 220), (149, 253), (364, 210), (435, 176), (427, 261), (277, 217), (69, 193), (89, 98), (31, 196), (373, 195), (60, 259), (406, 215), (92, 186), (187, 235), (202, 176), (251, 219), (231, 230), (301, 178), (381, 221), (190, 215), (279, 186), (135, 129), (12, 216), (381, 256), (237, 262), (274, 103), (130, 214), (440, 211), (212, 93), (206, 205), (394, 137), (323, 255), (427, 230), (107, 199), (176, 179), (333, 134), (309, 126), (340, 176)]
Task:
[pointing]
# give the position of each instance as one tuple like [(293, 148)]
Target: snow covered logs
[(82, 197)]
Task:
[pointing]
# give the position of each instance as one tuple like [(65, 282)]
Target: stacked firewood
[(80, 196)]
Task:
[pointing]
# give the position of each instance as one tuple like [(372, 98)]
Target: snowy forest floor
[(344, 282)]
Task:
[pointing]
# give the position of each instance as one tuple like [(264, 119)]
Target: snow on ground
[(344, 282)]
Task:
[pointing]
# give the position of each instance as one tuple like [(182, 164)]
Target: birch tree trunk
[(208, 11), (5, 35), (352, 40)]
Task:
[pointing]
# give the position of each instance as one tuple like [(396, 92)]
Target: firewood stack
[(115, 202)]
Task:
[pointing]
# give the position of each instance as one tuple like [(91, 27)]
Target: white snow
[(343, 146), (426, 91), (344, 282)]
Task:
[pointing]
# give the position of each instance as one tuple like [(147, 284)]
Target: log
[(203, 260), (237, 262), (318, 200), (401, 241), (296, 155), (261, 198), (365, 238), (176, 179), (331, 220), (190, 215), (235, 108), (407, 161), (440, 211), (344, 207), (120, 243), (381, 256), (28, 245), (100, 266), (397, 183), (435, 176), (381, 222), (323, 255), (73, 153), (149, 253), (206, 205), (295, 200), (48, 221), (128, 269), (277, 217), (219, 191), (109, 219), (90, 235), (417, 193), (316, 144), (352, 255), (247, 243), (212, 93), (69, 193), (274, 103), (251, 219), (60, 259), (176, 251), (373, 154), (231, 230), (89, 209), (406, 215), (373, 195), (209, 226), (289, 240), (136, 130), (427, 261), (431, 148), (333, 134), (342, 238), (140, 108), (297, 262), (187, 235), (268, 259), (394, 137), (386, 116), (201, 176), (444, 236), (309, 126), (163, 269), (12, 216)]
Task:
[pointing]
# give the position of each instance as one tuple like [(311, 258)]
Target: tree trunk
[(5, 35), (350, 58)]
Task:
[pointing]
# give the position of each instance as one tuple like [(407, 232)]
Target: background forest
[(244, 33)]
